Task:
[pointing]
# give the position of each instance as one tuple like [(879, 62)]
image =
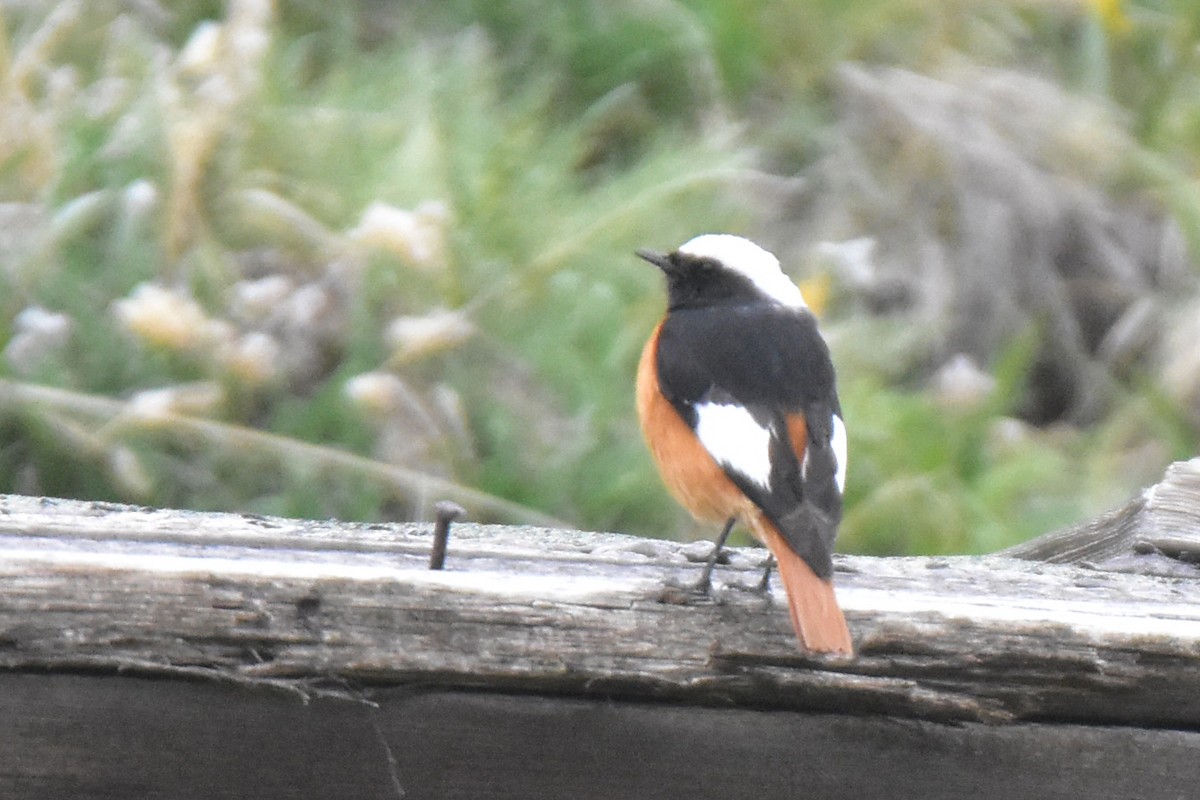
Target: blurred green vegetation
[(280, 233)]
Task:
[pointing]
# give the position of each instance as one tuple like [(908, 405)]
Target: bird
[(737, 401)]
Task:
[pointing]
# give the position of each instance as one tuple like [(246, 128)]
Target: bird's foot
[(763, 585), (703, 587)]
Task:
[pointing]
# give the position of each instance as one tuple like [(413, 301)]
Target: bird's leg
[(763, 586), (704, 585)]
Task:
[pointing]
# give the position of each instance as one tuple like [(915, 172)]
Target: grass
[(402, 240)]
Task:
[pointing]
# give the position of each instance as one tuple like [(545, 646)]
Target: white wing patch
[(838, 442), (735, 440)]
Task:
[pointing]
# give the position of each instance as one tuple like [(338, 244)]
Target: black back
[(771, 360)]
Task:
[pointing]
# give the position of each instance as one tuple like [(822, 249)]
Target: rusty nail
[(447, 512)]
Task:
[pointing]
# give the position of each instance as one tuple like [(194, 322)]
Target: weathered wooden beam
[(318, 606), (115, 738), (1163, 520)]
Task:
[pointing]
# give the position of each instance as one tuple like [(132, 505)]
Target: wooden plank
[(312, 605), (107, 737), (1162, 521)]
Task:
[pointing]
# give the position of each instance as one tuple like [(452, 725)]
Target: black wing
[(773, 363)]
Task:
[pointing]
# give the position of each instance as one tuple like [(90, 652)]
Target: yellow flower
[(1112, 15), (816, 291)]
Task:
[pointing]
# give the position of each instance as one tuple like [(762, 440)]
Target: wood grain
[(1163, 520)]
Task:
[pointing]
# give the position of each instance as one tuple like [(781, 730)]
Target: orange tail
[(816, 617)]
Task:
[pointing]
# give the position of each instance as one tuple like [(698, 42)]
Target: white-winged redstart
[(738, 403)]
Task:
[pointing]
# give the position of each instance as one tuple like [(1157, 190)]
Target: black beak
[(660, 260)]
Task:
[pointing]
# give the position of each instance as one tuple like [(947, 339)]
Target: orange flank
[(797, 429), (692, 477)]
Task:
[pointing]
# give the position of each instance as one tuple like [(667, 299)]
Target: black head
[(719, 269)]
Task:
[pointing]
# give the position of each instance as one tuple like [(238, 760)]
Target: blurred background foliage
[(349, 259)]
